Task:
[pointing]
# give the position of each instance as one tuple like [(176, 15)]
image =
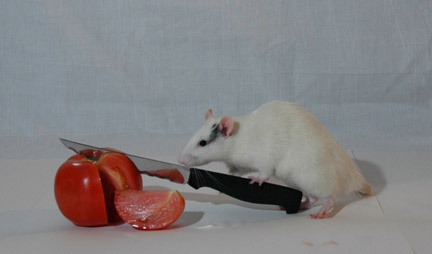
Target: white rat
[(283, 140)]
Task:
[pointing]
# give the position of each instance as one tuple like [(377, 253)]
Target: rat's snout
[(186, 160), (182, 162)]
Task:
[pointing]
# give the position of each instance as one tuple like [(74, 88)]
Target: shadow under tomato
[(187, 219)]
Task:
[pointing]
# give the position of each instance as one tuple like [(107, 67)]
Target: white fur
[(284, 140)]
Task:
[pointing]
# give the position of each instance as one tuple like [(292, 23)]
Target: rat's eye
[(203, 143)]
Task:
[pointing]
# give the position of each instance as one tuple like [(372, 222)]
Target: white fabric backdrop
[(83, 68)]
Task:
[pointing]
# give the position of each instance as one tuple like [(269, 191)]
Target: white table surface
[(397, 218)]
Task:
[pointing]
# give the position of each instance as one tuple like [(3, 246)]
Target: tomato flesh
[(172, 174), (149, 209)]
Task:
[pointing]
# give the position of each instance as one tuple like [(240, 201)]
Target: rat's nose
[(181, 161), (185, 161)]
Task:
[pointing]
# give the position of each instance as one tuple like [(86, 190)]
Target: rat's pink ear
[(226, 126), (208, 114)]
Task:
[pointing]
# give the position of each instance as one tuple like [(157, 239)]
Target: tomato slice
[(149, 209)]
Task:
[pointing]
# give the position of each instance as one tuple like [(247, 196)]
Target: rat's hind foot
[(325, 209), (308, 203)]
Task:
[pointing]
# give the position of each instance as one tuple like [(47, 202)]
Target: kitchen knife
[(234, 186)]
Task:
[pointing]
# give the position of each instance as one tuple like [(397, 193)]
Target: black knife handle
[(240, 188)]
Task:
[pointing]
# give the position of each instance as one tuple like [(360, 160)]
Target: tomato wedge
[(149, 209)]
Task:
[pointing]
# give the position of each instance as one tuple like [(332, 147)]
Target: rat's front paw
[(260, 178)]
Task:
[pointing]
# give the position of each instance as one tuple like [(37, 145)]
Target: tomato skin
[(85, 184), (79, 193)]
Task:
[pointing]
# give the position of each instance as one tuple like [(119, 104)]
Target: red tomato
[(85, 184), (149, 209), (79, 193)]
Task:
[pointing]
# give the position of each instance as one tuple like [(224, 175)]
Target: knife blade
[(234, 186)]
